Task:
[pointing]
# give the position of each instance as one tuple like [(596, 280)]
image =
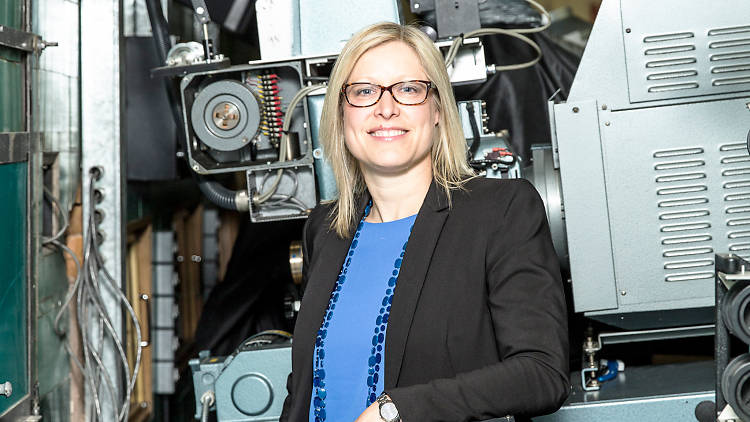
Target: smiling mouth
[(387, 133)]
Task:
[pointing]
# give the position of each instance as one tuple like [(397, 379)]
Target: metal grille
[(735, 170), (688, 63), (729, 55), (667, 56), (683, 211)]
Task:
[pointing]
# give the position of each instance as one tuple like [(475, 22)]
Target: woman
[(436, 289)]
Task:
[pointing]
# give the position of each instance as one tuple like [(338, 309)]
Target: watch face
[(388, 412)]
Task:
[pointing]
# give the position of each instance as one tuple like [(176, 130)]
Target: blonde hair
[(448, 155)]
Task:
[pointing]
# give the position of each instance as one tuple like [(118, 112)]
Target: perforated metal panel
[(735, 172), (695, 54), (683, 207)]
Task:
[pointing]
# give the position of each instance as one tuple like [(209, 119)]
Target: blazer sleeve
[(528, 311), (306, 257)]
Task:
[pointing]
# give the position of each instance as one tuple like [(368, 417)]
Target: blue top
[(352, 355)]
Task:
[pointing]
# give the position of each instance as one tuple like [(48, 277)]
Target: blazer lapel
[(422, 241)]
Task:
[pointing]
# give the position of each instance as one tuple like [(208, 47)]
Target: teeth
[(387, 133)]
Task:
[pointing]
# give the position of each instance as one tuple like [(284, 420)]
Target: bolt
[(576, 109), (6, 389), (627, 30), (244, 140), (180, 258), (623, 292), (199, 10), (604, 106), (606, 123), (180, 154), (195, 167), (195, 258), (416, 6)]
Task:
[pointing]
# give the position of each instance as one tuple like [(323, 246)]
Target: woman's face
[(389, 138)]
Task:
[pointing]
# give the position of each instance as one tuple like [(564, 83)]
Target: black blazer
[(478, 325)]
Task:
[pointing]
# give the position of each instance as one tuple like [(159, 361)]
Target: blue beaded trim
[(381, 323)]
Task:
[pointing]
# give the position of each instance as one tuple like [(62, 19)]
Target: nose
[(387, 107)]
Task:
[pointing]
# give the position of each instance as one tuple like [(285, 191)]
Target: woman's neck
[(397, 196)]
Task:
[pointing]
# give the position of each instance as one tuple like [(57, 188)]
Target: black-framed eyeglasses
[(366, 94)]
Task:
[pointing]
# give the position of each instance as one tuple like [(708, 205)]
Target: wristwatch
[(388, 411)]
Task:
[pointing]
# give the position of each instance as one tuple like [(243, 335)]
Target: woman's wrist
[(387, 408)]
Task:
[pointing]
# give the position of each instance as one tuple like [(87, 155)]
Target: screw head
[(606, 123), (623, 292), (576, 109), (627, 30)]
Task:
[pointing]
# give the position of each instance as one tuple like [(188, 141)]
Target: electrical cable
[(262, 197), (474, 130), (91, 275), (515, 33), (63, 217), (285, 200), (207, 400)]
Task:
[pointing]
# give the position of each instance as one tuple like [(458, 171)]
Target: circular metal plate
[(226, 115), (252, 394)]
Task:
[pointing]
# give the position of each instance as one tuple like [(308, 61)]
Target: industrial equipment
[(653, 162), (732, 293), (245, 118), (249, 385), (645, 180)]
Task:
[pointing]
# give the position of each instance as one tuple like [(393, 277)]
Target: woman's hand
[(371, 414)]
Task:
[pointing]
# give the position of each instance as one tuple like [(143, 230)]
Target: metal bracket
[(455, 17), (728, 415), (730, 279), (201, 11), (22, 40), (636, 336), (15, 146)]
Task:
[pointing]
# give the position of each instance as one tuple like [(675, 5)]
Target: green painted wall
[(13, 292), (13, 289), (11, 72), (10, 13)]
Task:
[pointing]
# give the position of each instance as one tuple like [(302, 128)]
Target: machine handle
[(146, 333)]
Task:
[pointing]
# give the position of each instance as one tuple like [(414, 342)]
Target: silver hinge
[(22, 40)]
